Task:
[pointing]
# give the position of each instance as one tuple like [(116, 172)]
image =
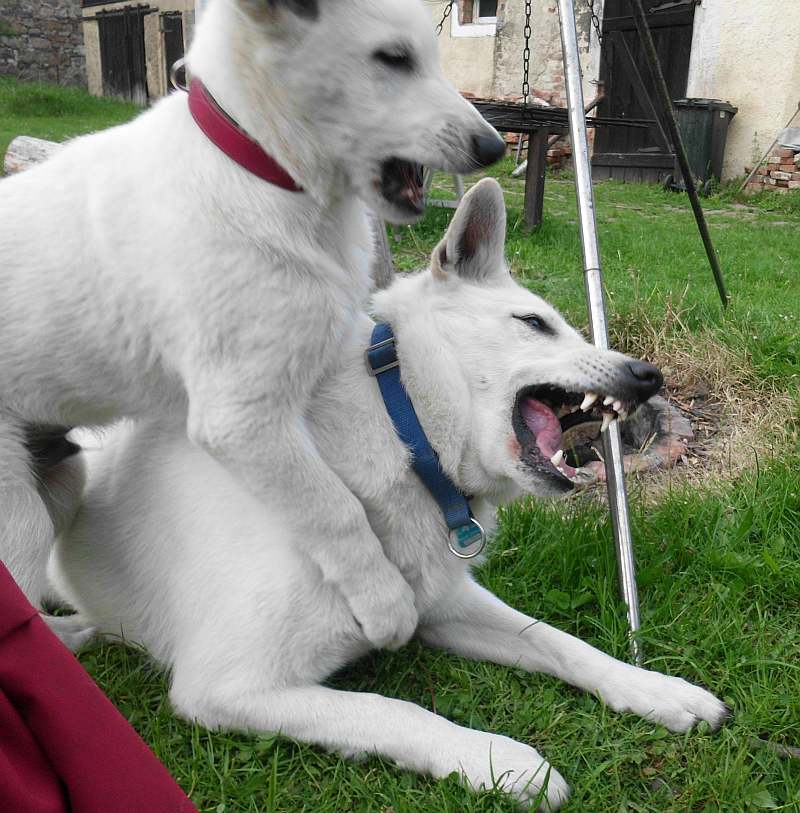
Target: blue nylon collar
[(383, 364)]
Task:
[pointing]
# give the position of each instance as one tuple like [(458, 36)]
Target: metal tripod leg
[(612, 441)]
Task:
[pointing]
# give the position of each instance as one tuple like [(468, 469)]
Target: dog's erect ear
[(473, 247)]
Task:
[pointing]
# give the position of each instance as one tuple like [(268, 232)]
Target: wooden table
[(538, 123)]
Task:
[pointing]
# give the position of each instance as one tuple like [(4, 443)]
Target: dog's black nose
[(646, 380), (487, 149)]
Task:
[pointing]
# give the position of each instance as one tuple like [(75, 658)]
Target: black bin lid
[(708, 104)]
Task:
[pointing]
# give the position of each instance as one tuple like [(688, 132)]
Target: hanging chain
[(526, 54), (447, 9), (595, 20)]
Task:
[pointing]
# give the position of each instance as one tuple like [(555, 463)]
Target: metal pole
[(612, 440), (677, 144)]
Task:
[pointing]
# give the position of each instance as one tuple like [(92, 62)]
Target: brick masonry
[(780, 173), (42, 40)]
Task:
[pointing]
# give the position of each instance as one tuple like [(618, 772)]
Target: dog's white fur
[(171, 552), (145, 274)]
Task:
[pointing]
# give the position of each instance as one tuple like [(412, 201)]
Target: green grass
[(55, 113), (719, 565)]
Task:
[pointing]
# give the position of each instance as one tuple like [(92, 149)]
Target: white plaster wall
[(492, 65), (747, 52), (468, 62)]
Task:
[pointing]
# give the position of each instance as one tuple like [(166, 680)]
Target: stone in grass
[(794, 185)]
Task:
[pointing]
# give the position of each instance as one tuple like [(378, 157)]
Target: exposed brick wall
[(42, 40)]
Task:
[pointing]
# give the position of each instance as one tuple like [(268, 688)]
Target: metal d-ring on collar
[(466, 538), (178, 65)]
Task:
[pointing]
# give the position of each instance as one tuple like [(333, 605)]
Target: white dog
[(144, 273), (171, 552)]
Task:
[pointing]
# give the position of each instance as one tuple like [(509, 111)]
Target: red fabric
[(234, 142), (64, 748)]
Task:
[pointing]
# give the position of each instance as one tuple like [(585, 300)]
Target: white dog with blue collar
[(169, 550)]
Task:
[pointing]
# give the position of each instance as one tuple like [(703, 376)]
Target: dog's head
[(349, 89), (496, 374)]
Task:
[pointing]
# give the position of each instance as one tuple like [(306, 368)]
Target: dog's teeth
[(575, 408), (609, 399), (589, 400), (617, 406), (557, 458), (608, 417)]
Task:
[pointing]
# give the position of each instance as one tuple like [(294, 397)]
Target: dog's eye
[(535, 322), (399, 60)]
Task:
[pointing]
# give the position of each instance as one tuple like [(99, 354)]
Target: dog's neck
[(264, 110), (347, 416)]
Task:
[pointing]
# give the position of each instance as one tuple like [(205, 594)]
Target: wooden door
[(640, 154), (172, 26), (122, 56)]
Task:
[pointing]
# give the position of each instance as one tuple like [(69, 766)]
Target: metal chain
[(447, 9), (595, 20), (526, 54)]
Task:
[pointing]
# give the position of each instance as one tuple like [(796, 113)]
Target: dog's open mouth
[(543, 414), (401, 185)]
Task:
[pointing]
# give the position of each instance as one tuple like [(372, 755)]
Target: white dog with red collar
[(152, 271)]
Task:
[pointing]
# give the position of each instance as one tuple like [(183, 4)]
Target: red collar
[(233, 141)]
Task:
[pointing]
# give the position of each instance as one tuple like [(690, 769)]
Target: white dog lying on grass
[(169, 550)]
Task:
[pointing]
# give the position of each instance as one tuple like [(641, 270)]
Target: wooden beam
[(534, 178), (382, 264)]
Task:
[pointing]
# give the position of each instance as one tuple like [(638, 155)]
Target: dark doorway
[(122, 57), (172, 28), (637, 154)]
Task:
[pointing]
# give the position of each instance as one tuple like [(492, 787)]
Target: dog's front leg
[(475, 623), (357, 724), (268, 448)]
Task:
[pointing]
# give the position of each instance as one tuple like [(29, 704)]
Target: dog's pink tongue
[(541, 420)]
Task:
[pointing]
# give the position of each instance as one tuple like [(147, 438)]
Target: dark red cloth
[(64, 748)]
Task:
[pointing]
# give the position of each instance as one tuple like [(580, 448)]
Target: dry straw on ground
[(739, 419)]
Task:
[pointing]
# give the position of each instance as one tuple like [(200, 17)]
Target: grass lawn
[(717, 543), (55, 113)]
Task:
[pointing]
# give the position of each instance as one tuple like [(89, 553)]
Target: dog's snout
[(645, 379), (486, 149)]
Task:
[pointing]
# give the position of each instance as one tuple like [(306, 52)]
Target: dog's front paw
[(517, 769), (675, 703), (383, 606)]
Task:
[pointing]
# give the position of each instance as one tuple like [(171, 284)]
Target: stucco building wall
[(491, 65), (743, 52), (748, 54), (41, 40)]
